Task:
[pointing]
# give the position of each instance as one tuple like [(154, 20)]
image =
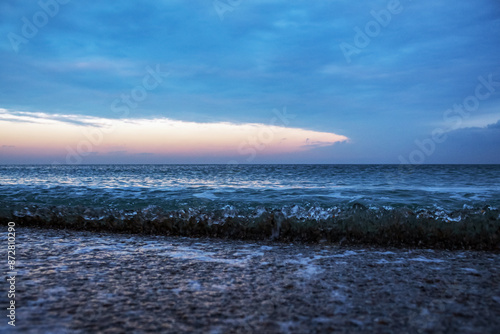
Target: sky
[(239, 81)]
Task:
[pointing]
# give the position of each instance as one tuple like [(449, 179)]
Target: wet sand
[(83, 282)]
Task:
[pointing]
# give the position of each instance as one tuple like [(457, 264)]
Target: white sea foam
[(386, 253), (306, 267), (471, 270), (207, 195), (200, 254), (345, 254), (424, 259)]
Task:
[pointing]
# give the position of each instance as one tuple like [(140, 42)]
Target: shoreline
[(86, 281)]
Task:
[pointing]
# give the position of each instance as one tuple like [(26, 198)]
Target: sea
[(198, 246), (213, 193)]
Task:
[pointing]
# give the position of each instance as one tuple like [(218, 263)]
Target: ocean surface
[(294, 189), (88, 280)]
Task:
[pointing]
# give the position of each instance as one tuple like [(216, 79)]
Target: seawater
[(247, 187)]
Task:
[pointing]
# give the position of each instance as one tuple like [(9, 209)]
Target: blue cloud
[(469, 145), (262, 55)]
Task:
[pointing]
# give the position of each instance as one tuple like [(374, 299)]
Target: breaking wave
[(469, 228)]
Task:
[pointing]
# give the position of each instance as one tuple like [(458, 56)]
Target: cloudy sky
[(240, 81)]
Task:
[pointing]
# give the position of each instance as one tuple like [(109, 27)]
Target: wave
[(467, 228)]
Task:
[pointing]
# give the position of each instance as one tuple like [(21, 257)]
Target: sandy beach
[(82, 282)]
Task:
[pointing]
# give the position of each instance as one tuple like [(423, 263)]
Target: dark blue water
[(297, 189)]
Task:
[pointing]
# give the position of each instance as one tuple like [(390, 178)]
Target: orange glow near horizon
[(41, 134)]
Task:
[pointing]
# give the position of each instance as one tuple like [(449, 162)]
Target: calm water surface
[(171, 187)]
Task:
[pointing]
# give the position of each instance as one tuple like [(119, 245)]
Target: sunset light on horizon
[(68, 138)]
